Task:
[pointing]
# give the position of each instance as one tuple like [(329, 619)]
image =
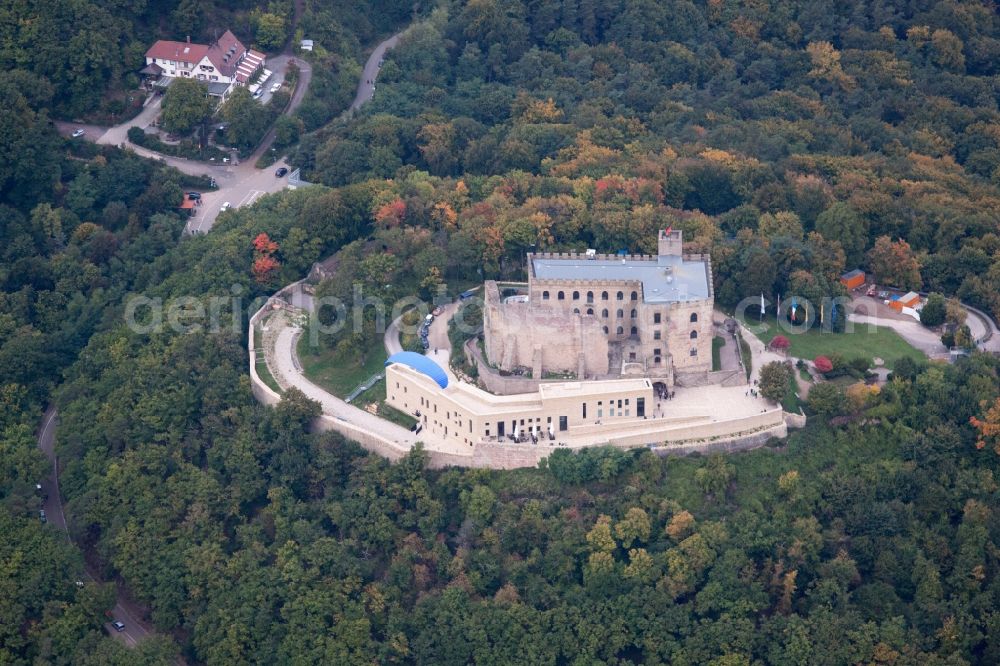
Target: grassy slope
[(338, 376)]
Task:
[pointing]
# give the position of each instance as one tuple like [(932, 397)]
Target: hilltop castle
[(604, 316)]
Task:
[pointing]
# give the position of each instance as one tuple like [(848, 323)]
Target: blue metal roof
[(421, 363)]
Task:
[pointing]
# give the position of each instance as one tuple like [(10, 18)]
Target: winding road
[(124, 610), (366, 85)]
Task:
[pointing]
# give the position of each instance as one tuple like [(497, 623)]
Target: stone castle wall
[(519, 334)]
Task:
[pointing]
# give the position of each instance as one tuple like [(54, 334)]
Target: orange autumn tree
[(988, 426), (391, 214), (265, 266)]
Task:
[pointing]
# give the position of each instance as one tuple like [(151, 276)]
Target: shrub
[(823, 364), (774, 381), (826, 399), (934, 311), (136, 135), (780, 343), (859, 365)]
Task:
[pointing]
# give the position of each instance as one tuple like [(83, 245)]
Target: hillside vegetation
[(785, 138)]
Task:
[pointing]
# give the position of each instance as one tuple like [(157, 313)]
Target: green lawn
[(717, 344), (376, 394), (265, 375), (340, 376), (865, 341), (792, 403)]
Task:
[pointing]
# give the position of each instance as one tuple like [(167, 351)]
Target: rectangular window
[(611, 411), (500, 433), (619, 404), (626, 402), (640, 407), (470, 425), (562, 423), (656, 335), (600, 413), (584, 410), (550, 420), (626, 412), (656, 317)]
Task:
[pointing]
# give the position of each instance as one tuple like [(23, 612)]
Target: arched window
[(576, 295), (694, 334), (694, 317), (561, 296), (635, 331), (620, 330), (576, 310), (621, 313), (590, 297), (620, 296), (545, 295), (635, 296), (604, 295), (633, 313), (605, 330), (590, 311), (604, 313)]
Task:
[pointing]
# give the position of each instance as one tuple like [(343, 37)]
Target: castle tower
[(670, 242)]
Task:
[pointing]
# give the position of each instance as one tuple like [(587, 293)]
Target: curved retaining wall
[(702, 438)]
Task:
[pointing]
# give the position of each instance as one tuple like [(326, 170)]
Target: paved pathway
[(283, 367), (391, 337), (912, 331)]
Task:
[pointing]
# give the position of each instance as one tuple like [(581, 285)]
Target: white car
[(275, 88), (259, 93), (77, 133), (226, 206)]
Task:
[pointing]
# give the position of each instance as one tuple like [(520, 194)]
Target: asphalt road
[(124, 610), (279, 64), (239, 183), (366, 85)]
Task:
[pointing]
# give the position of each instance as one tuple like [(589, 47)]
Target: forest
[(791, 140)]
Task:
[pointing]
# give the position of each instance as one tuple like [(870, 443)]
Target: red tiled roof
[(225, 54), (183, 51)]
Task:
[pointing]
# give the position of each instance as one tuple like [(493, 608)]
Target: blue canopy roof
[(421, 363)]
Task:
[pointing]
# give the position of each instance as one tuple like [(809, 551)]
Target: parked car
[(41, 516), (194, 195), (281, 172), (77, 133), (275, 88), (226, 206), (118, 625), (259, 93)]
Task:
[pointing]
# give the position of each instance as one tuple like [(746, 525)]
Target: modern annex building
[(600, 316)]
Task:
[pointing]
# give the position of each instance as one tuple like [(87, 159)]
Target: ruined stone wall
[(515, 332)]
